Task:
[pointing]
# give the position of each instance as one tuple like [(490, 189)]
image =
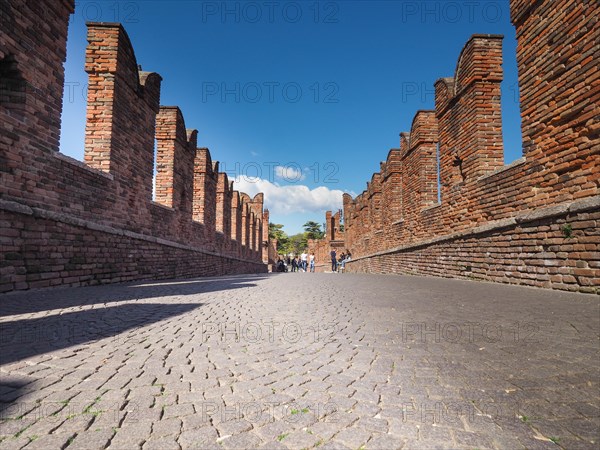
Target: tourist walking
[(333, 260), (311, 260), (303, 259)]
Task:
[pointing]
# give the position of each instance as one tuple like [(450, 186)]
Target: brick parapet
[(554, 247), (560, 143), (112, 189)]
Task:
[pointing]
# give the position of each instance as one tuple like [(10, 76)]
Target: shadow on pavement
[(58, 298), (24, 338), (11, 388)]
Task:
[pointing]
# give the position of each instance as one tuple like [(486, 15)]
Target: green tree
[(313, 230), (276, 232), (297, 243)]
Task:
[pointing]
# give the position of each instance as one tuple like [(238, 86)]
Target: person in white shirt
[(311, 260), (303, 258)]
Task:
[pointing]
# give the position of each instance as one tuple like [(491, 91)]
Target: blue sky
[(300, 100)]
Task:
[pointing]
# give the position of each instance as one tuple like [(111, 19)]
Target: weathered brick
[(101, 210), (559, 174)]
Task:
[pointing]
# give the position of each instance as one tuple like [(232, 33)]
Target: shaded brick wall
[(63, 206), (497, 222), (266, 247)]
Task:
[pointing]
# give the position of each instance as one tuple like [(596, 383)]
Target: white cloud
[(253, 153), (285, 200), (289, 173)]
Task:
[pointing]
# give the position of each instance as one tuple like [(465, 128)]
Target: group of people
[(339, 264), (306, 262), (302, 263), (299, 264)]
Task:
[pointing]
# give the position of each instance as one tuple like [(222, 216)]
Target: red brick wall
[(334, 238), (557, 56), (176, 151), (64, 207), (205, 193), (236, 219), (53, 251), (535, 253), (526, 207), (265, 237), (223, 212)]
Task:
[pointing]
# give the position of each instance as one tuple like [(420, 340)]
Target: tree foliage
[(276, 232), (296, 243), (313, 230)]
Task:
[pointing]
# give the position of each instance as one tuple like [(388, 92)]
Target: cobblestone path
[(293, 361)]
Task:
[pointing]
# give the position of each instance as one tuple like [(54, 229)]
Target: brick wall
[(68, 222), (532, 222), (333, 239), (265, 246)]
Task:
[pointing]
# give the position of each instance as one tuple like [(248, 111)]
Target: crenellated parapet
[(557, 56), (236, 219), (246, 222), (469, 116), (419, 175), (175, 155), (205, 192), (450, 207), (122, 105), (224, 195), (173, 216)]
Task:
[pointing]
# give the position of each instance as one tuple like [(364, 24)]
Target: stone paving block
[(74, 424), (353, 437), (302, 438), (194, 422), (136, 415), (141, 430), (13, 443), (92, 440), (334, 445), (180, 411), (588, 430), (45, 442), (380, 426), (385, 441), (161, 443), (11, 427), (233, 427), (197, 437), (276, 445), (166, 427), (108, 420), (126, 442), (165, 400), (430, 445), (573, 443), (584, 408), (271, 431), (242, 440), (502, 441), (474, 440), (367, 409)]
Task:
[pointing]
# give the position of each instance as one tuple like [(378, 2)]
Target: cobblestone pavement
[(300, 361)]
